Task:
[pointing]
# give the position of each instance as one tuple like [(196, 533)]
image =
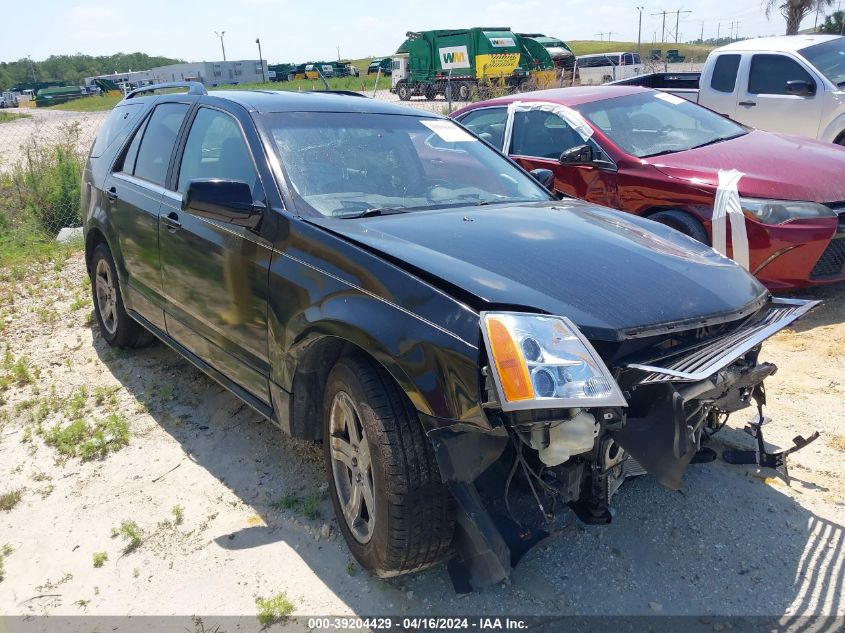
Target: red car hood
[(775, 166)]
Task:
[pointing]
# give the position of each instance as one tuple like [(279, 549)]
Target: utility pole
[(261, 60), (678, 22), (718, 32), (640, 31), (663, 31), (842, 18), (736, 35), (701, 39), (338, 52), (220, 35)]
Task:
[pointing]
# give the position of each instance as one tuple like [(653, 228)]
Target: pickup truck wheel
[(392, 507), (116, 326), (682, 222)]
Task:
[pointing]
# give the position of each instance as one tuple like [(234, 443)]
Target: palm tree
[(795, 10)]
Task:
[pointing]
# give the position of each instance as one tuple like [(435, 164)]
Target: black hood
[(615, 275)]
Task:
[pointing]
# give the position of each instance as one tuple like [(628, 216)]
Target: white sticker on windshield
[(448, 131), (668, 98)]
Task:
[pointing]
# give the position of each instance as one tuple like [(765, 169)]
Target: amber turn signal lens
[(513, 372)]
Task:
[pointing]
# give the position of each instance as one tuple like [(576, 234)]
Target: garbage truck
[(428, 61), (559, 52), (537, 60)]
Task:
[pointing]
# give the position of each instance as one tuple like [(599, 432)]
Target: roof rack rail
[(348, 93), (194, 88)]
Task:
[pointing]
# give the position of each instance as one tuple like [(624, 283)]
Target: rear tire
[(682, 222), (116, 326), (394, 511)]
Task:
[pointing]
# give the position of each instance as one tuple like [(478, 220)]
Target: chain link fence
[(42, 151)]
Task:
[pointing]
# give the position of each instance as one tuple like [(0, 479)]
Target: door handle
[(111, 194), (172, 221), (747, 104)]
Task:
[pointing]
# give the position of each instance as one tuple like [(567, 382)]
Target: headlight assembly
[(540, 361), (780, 211)]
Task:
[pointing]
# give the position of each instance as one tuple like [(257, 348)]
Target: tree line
[(72, 69)]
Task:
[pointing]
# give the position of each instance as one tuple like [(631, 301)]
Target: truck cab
[(401, 69)]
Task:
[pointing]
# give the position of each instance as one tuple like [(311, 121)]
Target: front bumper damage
[(677, 399)]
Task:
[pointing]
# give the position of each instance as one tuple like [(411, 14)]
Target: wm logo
[(454, 57)]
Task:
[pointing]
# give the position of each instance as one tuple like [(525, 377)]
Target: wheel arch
[(93, 238)]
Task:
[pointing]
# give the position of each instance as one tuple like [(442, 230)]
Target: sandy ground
[(733, 542)]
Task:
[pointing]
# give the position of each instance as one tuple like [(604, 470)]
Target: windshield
[(352, 164), (829, 59), (652, 123)]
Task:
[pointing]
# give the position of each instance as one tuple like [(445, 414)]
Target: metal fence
[(41, 158), (42, 151)]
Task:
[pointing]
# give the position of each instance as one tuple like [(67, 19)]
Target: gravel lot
[(257, 521)]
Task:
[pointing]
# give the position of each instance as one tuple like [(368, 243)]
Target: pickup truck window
[(158, 141), (769, 74), (829, 60), (724, 73), (649, 124)]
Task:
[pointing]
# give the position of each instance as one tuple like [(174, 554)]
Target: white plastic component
[(573, 437)]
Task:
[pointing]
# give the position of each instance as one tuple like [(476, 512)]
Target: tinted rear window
[(159, 139), (116, 125), (724, 73)]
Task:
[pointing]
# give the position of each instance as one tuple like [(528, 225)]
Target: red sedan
[(774, 203)]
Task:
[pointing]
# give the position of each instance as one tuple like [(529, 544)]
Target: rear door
[(718, 88), (215, 274), (764, 103), (134, 190)]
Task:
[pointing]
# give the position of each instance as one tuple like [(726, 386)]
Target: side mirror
[(227, 201), (545, 176), (801, 88), (578, 155)]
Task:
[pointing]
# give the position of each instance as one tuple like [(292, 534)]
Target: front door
[(764, 103), (537, 134), (215, 274), (133, 191)]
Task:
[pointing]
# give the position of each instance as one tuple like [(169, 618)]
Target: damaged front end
[(570, 424)]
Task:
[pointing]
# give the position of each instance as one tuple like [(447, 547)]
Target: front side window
[(349, 164), (216, 149), (769, 74), (542, 135), (648, 124), (724, 73), (158, 141), (488, 124)]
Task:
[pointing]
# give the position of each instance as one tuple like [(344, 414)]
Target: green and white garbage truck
[(428, 61)]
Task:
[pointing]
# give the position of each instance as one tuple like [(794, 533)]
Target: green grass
[(94, 103), (131, 534), (692, 52), (5, 551), (5, 117), (100, 558), (89, 441), (9, 500), (273, 609), (178, 513)]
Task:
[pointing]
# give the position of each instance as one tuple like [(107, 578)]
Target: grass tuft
[(100, 558), (131, 535), (273, 609), (178, 513), (89, 441), (9, 500)]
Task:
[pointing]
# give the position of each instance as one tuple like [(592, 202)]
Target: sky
[(299, 30)]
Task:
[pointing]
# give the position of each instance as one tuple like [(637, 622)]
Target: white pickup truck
[(791, 84)]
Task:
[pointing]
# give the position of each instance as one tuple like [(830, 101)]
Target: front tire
[(394, 511), (404, 92), (116, 326), (682, 222)]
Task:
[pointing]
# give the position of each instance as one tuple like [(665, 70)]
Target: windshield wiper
[(718, 139), (372, 212)]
